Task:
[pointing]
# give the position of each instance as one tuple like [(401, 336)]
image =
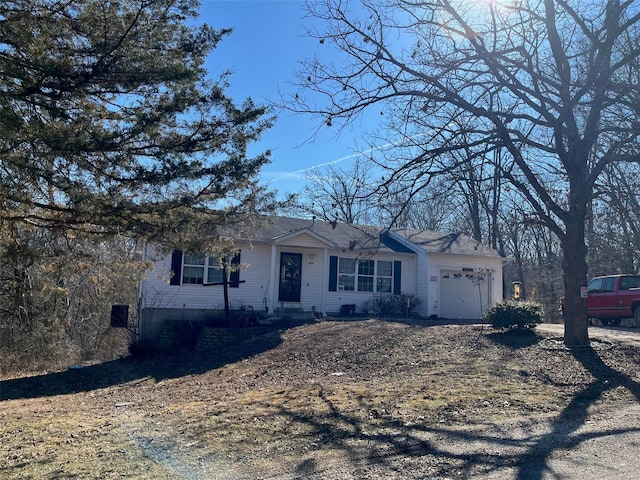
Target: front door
[(290, 277)]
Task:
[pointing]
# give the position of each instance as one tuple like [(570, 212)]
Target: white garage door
[(463, 295)]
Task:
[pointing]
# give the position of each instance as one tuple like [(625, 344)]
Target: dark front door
[(290, 277)]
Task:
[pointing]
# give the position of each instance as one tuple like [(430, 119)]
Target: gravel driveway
[(603, 446), (623, 335)]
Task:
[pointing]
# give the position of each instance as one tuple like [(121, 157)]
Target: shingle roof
[(439, 242), (338, 234), (342, 235)]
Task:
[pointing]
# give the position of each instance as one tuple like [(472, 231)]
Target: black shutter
[(397, 277), (176, 268), (234, 277), (333, 274)]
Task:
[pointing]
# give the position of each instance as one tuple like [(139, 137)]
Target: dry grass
[(334, 400)]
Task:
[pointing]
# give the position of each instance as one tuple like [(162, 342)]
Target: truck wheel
[(605, 321), (636, 317)]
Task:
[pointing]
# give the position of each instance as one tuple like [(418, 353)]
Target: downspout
[(140, 301), (273, 283), (325, 281)]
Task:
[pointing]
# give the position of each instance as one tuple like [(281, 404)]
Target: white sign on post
[(584, 292)]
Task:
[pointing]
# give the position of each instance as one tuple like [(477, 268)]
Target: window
[(595, 285), (363, 275), (199, 269), (608, 284), (366, 270), (384, 276), (347, 274), (215, 274), (193, 270), (629, 282)]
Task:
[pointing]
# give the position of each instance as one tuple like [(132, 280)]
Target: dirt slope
[(335, 400)]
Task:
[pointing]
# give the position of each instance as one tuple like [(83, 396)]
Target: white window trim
[(356, 276), (390, 277), (206, 267)]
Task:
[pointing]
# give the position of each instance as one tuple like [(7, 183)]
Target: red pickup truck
[(614, 297)]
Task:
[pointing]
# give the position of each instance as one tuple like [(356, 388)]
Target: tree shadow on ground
[(372, 443), (375, 446), (159, 366), (563, 433), (369, 444), (370, 438)]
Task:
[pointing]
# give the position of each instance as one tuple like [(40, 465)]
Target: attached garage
[(463, 295), (457, 275), (323, 267)]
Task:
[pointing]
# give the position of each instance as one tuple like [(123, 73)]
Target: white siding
[(261, 283), (421, 276), (156, 292), (408, 283), (421, 280), (491, 267)]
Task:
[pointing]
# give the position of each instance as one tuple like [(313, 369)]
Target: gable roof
[(362, 238), (439, 242), (333, 234)]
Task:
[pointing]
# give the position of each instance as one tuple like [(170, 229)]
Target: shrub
[(514, 314), (391, 305)]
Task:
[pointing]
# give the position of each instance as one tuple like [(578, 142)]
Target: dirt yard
[(337, 400)]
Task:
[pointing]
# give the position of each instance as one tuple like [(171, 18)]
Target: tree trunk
[(574, 266)]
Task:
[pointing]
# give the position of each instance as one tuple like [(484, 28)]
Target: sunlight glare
[(480, 13)]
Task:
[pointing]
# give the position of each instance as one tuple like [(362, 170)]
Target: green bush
[(391, 305), (514, 314)]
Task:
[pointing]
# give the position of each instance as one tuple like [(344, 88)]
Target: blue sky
[(265, 48)]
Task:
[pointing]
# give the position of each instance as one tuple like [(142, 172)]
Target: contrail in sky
[(333, 162)]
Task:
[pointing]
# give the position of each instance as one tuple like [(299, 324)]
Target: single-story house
[(310, 265)]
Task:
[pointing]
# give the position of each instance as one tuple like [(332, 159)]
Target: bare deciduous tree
[(56, 293), (549, 84), (614, 225), (341, 194)]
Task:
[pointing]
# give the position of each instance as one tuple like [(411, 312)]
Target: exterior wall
[(260, 289), (312, 278), (408, 283), (159, 301), (421, 276), (446, 262), (422, 284), (157, 293)]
